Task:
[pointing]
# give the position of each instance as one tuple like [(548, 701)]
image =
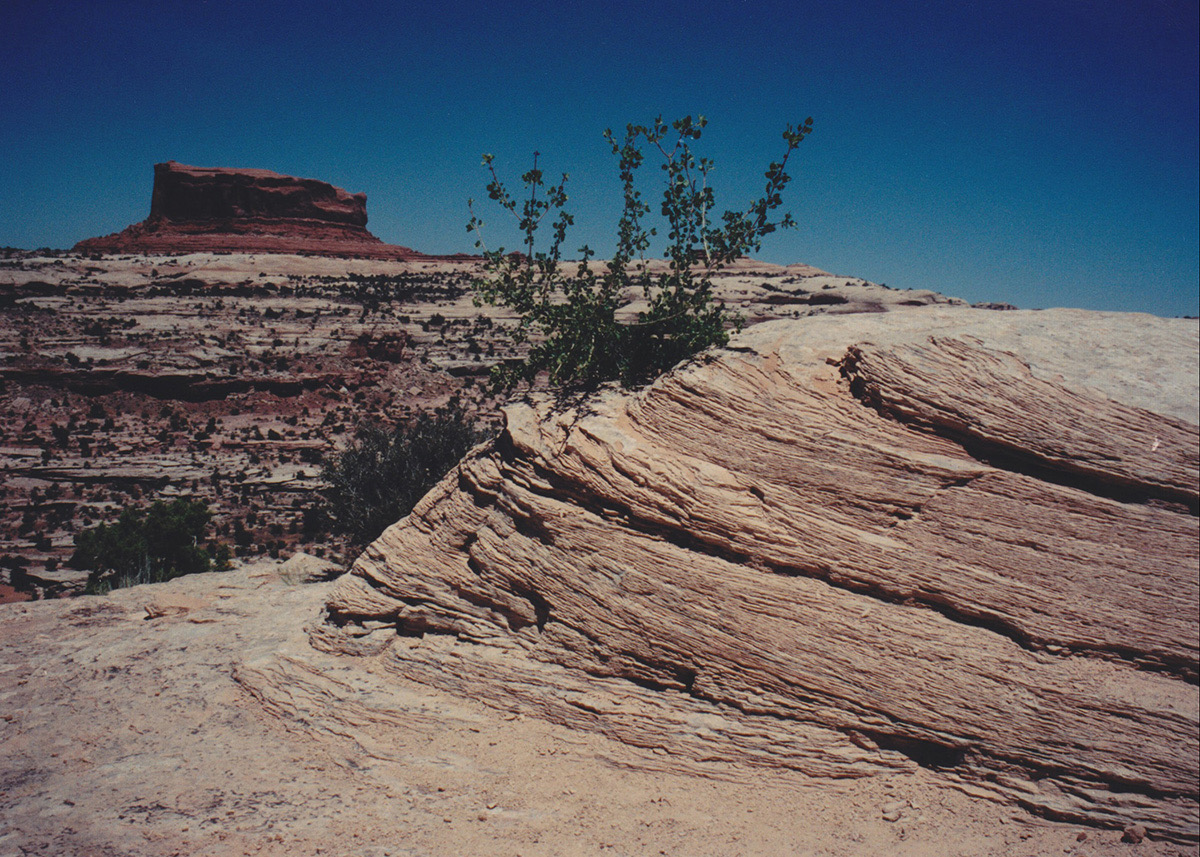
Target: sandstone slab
[(936, 539), (220, 730)]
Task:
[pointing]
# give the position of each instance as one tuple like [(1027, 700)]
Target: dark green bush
[(567, 311), (148, 546), (382, 474)]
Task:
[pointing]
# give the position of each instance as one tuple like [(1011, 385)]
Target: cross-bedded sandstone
[(845, 544)]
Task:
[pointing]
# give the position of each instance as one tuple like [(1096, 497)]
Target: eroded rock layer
[(943, 538), (213, 209)]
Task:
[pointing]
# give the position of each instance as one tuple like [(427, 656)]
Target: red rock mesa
[(215, 209)]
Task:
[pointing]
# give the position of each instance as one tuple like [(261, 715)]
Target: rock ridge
[(800, 537)]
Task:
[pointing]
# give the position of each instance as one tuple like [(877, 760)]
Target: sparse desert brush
[(165, 541), (383, 472), (567, 311)]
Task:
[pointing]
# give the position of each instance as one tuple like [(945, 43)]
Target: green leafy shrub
[(148, 546), (567, 311), (382, 474)]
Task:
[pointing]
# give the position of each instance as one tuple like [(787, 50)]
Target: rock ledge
[(851, 545)]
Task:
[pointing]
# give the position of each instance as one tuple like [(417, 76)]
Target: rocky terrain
[(921, 583), (851, 546), (216, 209), (193, 717), (218, 377), (888, 575), (231, 377)]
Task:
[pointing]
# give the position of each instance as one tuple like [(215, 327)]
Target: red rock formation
[(213, 209), (184, 194)]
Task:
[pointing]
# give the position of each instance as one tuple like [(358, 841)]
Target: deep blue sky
[(1041, 153)]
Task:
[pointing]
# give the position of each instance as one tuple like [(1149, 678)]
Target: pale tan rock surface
[(195, 717), (850, 547), (218, 730)]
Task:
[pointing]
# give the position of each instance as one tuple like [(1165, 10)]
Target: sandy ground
[(193, 717)]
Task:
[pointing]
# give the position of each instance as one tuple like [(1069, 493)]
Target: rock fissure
[(955, 752), (1022, 446), (561, 489), (904, 515), (922, 749)]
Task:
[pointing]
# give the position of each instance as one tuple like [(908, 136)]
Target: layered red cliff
[(214, 209)]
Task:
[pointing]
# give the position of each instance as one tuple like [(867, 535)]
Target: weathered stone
[(1134, 834), (938, 538), (220, 730)]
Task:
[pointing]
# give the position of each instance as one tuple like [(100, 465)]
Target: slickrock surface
[(193, 717), (945, 542), (211, 209)]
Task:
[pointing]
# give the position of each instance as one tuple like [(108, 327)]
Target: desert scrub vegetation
[(165, 541), (567, 310), (378, 478)]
